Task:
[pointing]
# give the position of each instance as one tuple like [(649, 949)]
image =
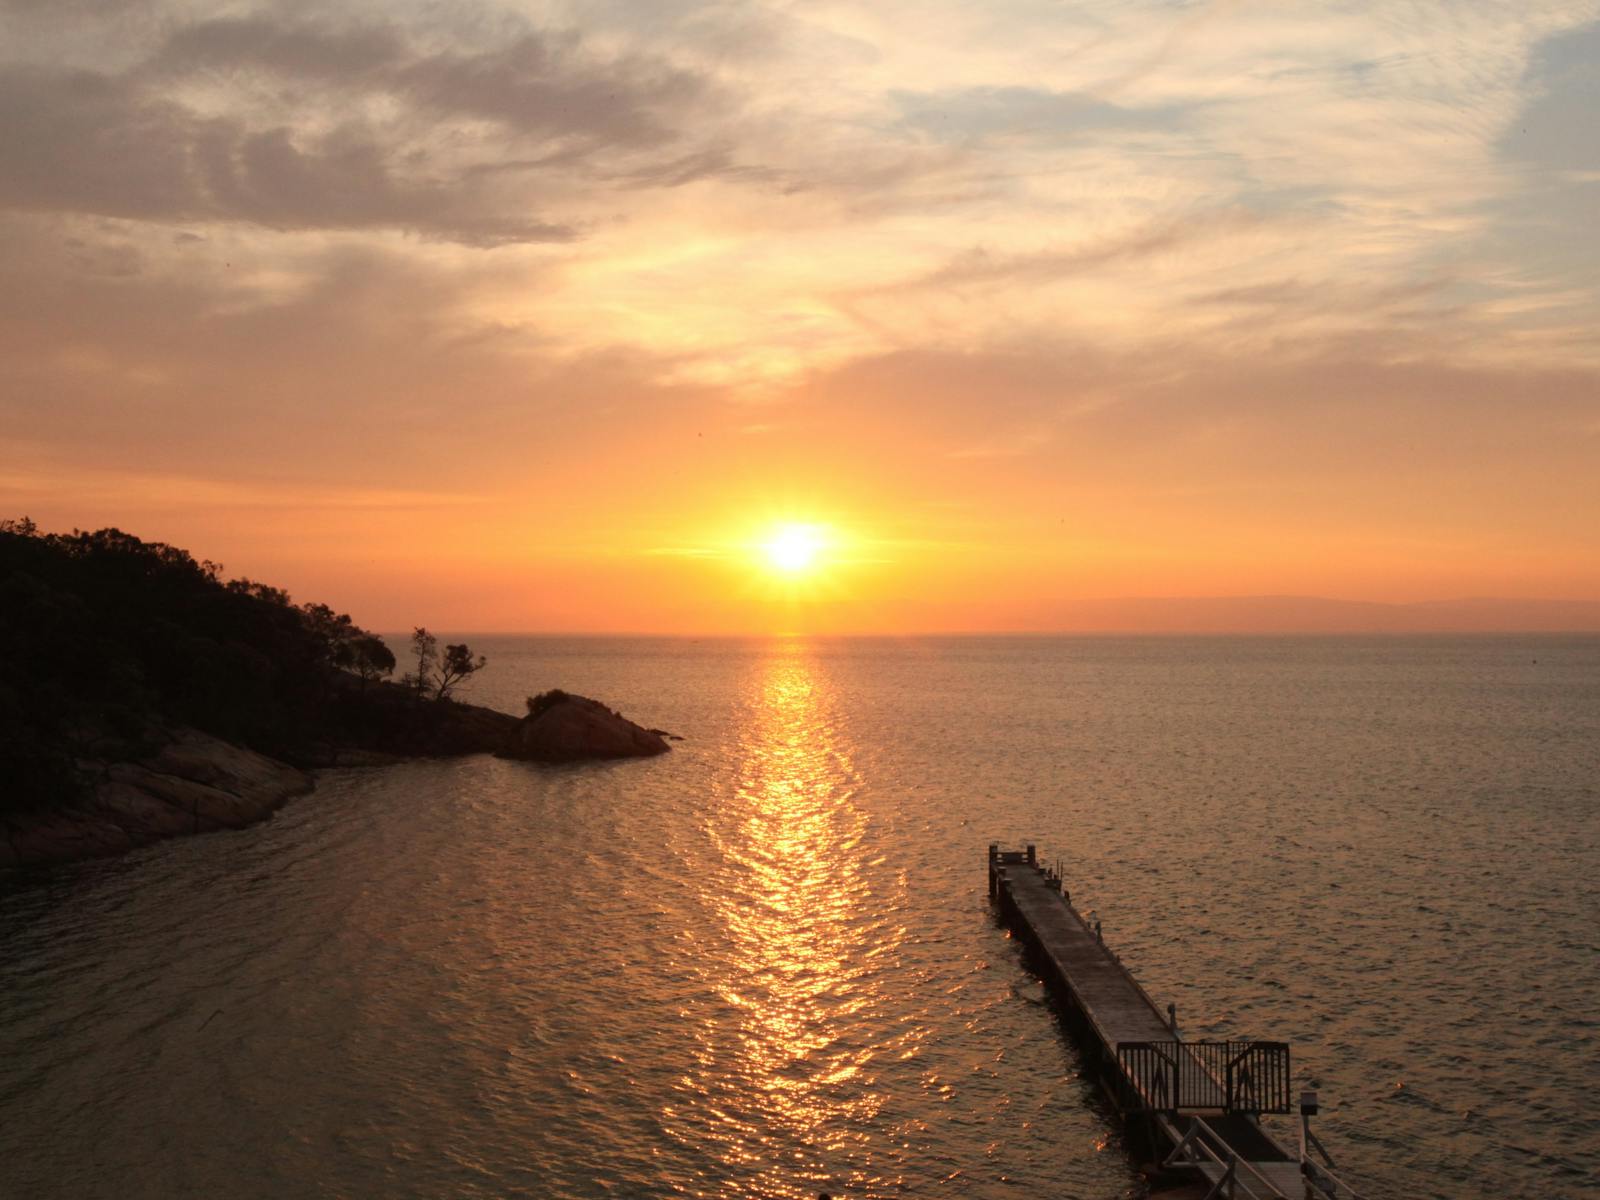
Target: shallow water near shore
[(764, 965)]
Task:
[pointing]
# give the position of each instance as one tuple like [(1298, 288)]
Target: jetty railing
[(1194, 1149), (1234, 1076), (1193, 1105)]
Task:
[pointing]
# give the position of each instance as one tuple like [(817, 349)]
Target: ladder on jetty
[(1195, 1106)]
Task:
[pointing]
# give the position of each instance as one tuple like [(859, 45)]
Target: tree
[(545, 701), (264, 592), (426, 647), (455, 666), (370, 658), (335, 632), (439, 672)]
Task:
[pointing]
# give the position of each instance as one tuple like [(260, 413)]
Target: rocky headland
[(143, 698), (193, 782), (561, 727)]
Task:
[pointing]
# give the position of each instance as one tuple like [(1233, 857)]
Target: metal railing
[(1248, 1077), (1230, 1177), (1320, 1179), (1323, 1182)]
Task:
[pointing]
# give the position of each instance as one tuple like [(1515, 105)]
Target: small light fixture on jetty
[(1308, 1109)]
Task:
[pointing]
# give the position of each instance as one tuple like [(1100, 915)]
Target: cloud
[(76, 141), (55, 8), (1023, 113), (304, 126), (749, 194), (981, 267), (534, 84), (177, 492)]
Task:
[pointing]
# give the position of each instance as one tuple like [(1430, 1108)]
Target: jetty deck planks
[(1193, 1130)]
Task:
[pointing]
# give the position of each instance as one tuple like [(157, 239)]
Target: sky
[(553, 316)]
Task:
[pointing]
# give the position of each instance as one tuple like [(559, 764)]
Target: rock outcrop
[(370, 721), (564, 728), (193, 784), (196, 783)]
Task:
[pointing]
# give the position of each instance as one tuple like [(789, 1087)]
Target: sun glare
[(792, 549)]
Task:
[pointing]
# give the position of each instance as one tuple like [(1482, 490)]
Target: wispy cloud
[(158, 490), (1092, 275), (297, 124)]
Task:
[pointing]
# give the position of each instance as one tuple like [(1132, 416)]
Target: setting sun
[(792, 549)]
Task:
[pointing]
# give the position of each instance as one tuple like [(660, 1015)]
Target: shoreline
[(199, 783), (194, 784)]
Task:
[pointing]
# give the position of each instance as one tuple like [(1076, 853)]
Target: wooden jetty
[(1194, 1107)]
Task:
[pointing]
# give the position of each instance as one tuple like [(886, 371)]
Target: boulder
[(224, 783), (564, 728), (195, 783), (192, 784), (60, 837)]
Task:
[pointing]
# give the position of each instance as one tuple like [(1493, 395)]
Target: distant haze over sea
[(1316, 614), (1193, 615)]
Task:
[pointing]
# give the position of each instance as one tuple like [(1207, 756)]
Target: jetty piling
[(1195, 1108)]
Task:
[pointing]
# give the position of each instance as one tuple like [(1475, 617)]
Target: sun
[(793, 549)]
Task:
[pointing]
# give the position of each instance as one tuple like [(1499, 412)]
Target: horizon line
[(1585, 631), (1330, 617)]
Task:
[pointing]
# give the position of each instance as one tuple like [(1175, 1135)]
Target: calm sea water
[(764, 965)]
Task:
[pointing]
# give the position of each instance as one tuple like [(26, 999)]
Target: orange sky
[(543, 316)]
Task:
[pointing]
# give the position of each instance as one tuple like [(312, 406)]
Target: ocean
[(765, 965)]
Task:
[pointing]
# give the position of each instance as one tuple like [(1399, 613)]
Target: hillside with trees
[(109, 643)]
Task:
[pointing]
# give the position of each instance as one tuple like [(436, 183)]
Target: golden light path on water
[(765, 965), (785, 1064)]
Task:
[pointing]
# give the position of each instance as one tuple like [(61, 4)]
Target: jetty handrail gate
[(1233, 1076)]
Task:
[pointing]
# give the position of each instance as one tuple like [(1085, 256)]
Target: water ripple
[(764, 966)]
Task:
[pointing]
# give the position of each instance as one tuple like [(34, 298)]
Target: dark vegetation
[(545, 701), (439, 673), (107, 641)]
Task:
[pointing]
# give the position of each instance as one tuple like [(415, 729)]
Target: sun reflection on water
[(794, 898)]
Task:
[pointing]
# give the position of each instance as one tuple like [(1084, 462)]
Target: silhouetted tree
[(545, 701), (258, 591), (335, 632), (426, 647), (370, 658), (456, 665)]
